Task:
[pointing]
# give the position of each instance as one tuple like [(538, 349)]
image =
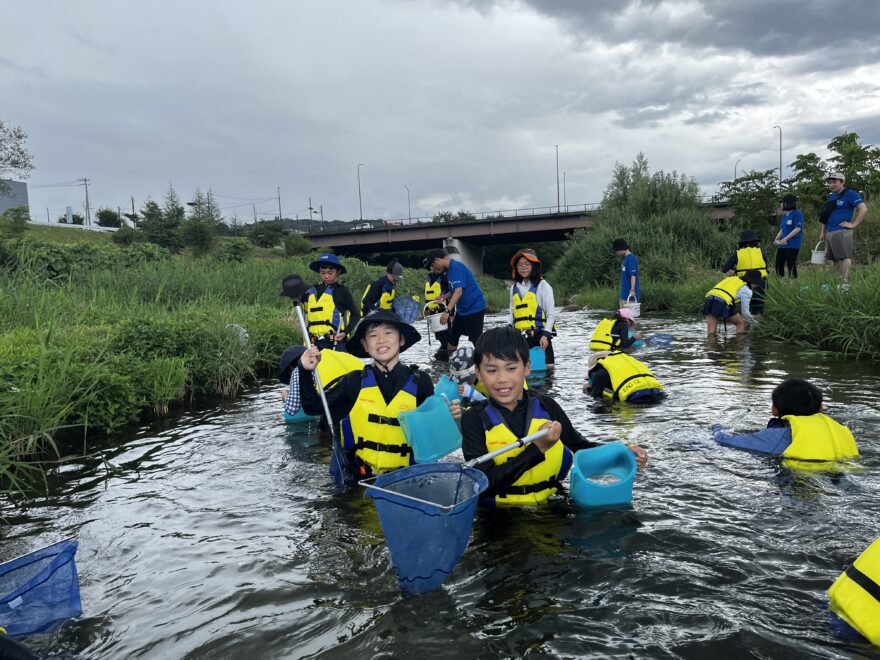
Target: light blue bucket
[(538, 359), (298, 418), (445, 387), (430, 430), (603, 476)]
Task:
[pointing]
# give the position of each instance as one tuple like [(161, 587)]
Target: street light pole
[(734, 168), (408, 205), (360, 201), (557, 178), (780, 156), (564, 195)]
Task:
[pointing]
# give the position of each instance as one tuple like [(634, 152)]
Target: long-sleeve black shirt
[(374, 294), (620, 331), (343, 301), (505, 474)]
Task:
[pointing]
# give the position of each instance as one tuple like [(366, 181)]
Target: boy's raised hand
[(555, 432), (310, 359), (641, 455)]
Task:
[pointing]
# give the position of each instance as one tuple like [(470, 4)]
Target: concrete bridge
[(467, 239)]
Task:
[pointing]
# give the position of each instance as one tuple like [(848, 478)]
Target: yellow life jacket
[(628, 376), (727, 289), (602, 339), (528, 316), (537, 484), (372, 428), (817, 440), (750, 258), (388, 293), (321, 313), (335, 364), (433, 290), (855, 594)]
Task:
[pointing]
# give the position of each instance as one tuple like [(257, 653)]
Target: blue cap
[(327, 259)]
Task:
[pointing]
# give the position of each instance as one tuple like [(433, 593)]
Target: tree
[(859, 163), (13, 222), (172, 211), (15, 160), (197, 233), (159, 226), (296, 244), (265, 233), (635, 191), (808, 181), (754, 195), (108, 218)]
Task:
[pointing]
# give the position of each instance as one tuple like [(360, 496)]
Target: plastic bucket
[(430, 430), (446, 387), (634, 306), (435, 324), (298, 418), (603, 476), (426, 513), (817, 257), (538, 359)]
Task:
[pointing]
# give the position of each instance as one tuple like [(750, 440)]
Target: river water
[(218, 534)]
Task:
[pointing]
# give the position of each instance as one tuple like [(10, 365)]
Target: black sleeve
[(344, 301), (620, 331), (571, 438), (424, 386), (473, 445), (730, 264), (601, 381), (372, 297), (340, 397)]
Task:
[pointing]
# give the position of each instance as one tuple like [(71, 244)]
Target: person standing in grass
[(842, 203), (788, 240), (630, 287)]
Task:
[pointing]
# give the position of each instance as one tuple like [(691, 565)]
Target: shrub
[(127, 235), (296, 244), (236, 250), (13, 222)]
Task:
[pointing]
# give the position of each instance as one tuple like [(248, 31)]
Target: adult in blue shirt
[(839, 223), (629, 272), (788, 240), (466, 305)]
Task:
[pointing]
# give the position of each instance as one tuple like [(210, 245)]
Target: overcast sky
[(463, 102)]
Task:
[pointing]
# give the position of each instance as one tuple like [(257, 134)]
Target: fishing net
[(406, 308), (39, 590), (426, 512)]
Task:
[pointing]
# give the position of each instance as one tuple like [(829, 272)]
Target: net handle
[(371, 486), (522, 442)]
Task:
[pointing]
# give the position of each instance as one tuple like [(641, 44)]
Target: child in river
[(531, 474)]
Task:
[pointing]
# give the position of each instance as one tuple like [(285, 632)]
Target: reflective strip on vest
[(372, 428), (628, 376), (855, 595), (538, 483), (602, 339), (727, 289), (750, 258)]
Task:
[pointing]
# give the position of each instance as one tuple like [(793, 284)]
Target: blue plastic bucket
[(39, 590), (538, 359), (426, 512), (298, 418), (430, 430), (445, 387), (603, 476)]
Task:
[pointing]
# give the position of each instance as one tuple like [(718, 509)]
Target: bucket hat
[(410, 334), (327, 259), (289, 357), (749, 236), (293, 287)]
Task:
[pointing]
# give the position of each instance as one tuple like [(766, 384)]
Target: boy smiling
[(531, 474)]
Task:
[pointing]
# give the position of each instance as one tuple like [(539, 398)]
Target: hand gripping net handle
[(308, 341)]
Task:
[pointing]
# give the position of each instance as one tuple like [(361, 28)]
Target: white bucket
[(818, 256), (633, 306), (435, 324)]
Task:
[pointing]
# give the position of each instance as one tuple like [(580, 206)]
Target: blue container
[(448, 388), (538, 359), (603, 476), (39, 590), (430, 430), (638, 343), (426, 538), (298, 418)]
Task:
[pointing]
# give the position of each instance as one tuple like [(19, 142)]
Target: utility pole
[(322, 212), (48, 222), (360, 199), (85, 181), (280, 221), (310, 210), (780, 156), (564, 194), (557, 178), (408, 205), (255, 213)]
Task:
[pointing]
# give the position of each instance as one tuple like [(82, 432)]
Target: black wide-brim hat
[(289, 357), (749, 236), (753, 277), (293, 287), (410, 334)]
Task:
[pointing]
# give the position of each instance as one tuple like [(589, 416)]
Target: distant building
[(13, 194)]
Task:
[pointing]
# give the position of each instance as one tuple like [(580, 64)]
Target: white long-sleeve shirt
[(546, 301), (745, 294)]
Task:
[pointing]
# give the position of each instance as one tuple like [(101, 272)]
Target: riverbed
[(218, 533)]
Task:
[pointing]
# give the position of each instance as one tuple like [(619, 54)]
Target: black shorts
[(548, 354), (466, 325), (718, 308)]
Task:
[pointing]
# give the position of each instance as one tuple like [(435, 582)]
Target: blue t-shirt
[(843, 212), (472, 300), (628, 268), (789, 221)]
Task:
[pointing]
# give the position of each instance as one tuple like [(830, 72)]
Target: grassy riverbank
[(96, 337)]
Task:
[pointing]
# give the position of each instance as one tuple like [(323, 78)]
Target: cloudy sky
[(463, 102)]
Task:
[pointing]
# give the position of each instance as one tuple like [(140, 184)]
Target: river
[(218, 534)]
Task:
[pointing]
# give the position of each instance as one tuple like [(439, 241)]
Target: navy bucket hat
[(327, 259)]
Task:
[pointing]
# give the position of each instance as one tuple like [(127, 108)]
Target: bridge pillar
[(469, 254)]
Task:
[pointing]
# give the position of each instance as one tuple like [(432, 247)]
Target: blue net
[(659, 339), (39, 590), (406, 308), (427, 538)]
